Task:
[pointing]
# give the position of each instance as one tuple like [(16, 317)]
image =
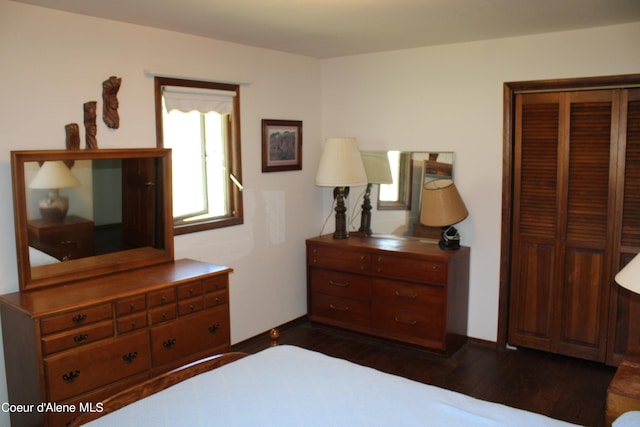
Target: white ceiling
[(330, 28)]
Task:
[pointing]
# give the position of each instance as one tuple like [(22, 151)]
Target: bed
[(291, 386)]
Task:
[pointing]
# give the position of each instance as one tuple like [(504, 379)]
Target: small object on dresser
[(442, 206)]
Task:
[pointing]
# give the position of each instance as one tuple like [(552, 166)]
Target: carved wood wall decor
[(72, 131), (91, 128), (110, 103)]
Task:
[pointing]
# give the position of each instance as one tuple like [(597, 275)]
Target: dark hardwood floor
[(569, 389)]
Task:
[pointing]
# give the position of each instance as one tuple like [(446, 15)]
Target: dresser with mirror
[(102, 303)]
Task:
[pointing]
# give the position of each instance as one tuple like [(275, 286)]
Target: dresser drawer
[(215, 283), (97, 365), (77, 337), (190, 306), (339, 259), (408, 295), (215, 299), (408, 325), (188, 335), (190, 290), (76, 318), (131, 305), (340, 284), (132, 322), (412, 269), (162, 297), (341, 309), (162, 314), (64, 419)]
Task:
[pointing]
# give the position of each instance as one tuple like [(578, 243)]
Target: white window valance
[(188, 99)]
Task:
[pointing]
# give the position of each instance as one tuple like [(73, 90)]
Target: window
[(200, 122), (397, 196)]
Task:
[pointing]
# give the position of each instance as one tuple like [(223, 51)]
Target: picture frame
[(281, 145)]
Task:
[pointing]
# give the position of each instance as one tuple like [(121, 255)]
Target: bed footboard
[(159, 383)]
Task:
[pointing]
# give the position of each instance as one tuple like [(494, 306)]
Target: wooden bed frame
[(157, 384), (163, 381)]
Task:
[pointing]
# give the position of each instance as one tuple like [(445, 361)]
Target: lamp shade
[(376, 165), (441, 204), (54, 174), (629, 276), (340, 164)]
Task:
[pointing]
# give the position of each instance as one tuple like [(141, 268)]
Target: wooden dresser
[(71, 238), (623, 394), (398, 288), (77, 343)]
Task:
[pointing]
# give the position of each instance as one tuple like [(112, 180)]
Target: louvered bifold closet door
[(562, 205), (535, 220), (587, 234), (624, 328)]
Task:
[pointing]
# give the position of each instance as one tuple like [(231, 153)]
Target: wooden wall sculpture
[(110, 88)]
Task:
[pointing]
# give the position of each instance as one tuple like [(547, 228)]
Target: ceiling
[(331, 28)]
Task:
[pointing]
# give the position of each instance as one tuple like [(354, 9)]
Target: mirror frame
[(84, 268)]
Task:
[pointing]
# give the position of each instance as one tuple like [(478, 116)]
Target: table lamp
[(340, 167), (442, 206), (376, 166), (53, 176), (629, 276)]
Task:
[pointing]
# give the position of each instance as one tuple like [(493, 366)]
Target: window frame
[(234, 162)]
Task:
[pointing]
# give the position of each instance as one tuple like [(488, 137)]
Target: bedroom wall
[(449, 98), (52, 62)]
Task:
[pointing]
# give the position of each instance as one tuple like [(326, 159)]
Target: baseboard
[(262, 335)]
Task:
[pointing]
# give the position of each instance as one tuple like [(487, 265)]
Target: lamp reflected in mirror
[(52, 176), (378, 170), (442, 206)]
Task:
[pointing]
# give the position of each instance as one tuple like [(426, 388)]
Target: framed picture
[(281, 145)]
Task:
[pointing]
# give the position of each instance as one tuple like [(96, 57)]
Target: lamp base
[(449, 239), (54, 207), (339, 193), (365, 218)]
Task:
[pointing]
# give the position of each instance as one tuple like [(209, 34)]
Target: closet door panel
[(531, 314), (581, 332), (563, 204), (625, 328), (588, 196), (535, 220)]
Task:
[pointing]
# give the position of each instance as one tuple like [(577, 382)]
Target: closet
[(572, 187)]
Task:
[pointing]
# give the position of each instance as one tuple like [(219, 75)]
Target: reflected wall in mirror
[(398, 207), (116, 217)]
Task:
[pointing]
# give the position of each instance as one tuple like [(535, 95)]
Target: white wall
[(449, 98), (438, 98), (52, 62)]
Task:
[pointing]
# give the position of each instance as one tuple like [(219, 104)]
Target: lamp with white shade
[(340, 167), (378, 170), (443, 207), (53, 176), (629, 276)]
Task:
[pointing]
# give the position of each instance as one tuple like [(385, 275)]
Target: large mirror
[(81, 214), (396, 206)]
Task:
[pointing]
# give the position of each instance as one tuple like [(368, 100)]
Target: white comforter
[(290, 386)]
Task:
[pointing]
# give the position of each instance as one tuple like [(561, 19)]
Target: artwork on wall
[(90, 124), (281, 145), (110, 88)]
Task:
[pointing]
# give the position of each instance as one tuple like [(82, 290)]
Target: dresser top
[(390, 243), (47, 301)]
